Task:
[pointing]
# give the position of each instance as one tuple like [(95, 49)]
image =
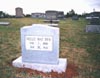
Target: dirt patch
[(71, 71)]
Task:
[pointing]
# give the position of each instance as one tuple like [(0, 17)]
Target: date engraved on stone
[(39, 43)]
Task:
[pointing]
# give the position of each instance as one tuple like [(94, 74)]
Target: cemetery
[(31, 48)]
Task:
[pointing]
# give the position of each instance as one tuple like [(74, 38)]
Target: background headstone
[(95, 21), (94, 25), (4, 23), (75, 17), (19, 12)]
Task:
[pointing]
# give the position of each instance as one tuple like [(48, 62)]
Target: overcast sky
[(30, 6)]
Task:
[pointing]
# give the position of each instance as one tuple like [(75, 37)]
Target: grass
[(79, 47)]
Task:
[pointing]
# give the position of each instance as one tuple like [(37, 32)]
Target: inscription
[(40, 43)]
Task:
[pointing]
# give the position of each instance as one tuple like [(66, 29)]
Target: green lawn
[(79, 47)]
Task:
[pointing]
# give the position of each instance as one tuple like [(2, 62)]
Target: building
[(19, 12), (38, 15)]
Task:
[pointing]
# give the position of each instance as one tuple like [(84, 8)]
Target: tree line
[(68, 14), (5, 15)]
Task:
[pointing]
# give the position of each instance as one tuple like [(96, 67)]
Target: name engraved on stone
[(43, 43)]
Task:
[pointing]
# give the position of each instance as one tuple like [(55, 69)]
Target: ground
[(71, 71), (80, 48)]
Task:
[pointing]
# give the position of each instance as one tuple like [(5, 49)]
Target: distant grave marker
[(75, 17), (51, 17), (4, 23), (95, 21), (94, 25)]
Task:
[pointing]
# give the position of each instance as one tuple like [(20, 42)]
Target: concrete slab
[(4, 23), (93, 28), (61, 67), (51, 21), (52, 25)]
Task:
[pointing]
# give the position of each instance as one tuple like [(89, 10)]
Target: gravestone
[(40, 44), (40, 49), (52, 25), (4, 23), (94, 25), (19, 12), (95, 21), (51, 16), (75, 17)]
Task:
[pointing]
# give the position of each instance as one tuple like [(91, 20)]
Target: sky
[(31, 6)]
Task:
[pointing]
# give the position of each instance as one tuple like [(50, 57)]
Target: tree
[(1, 14), (4, 15), (70, 13), (27, 15)]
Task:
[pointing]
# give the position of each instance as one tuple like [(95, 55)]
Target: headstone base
[(4, 23), (93, 28), (53, 25), (51, 21), (59, 68)]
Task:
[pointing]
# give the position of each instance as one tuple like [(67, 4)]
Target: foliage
[(70, 13), (5, 15), (27, 15)]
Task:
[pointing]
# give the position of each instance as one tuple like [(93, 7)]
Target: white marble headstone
[(40, 44)]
